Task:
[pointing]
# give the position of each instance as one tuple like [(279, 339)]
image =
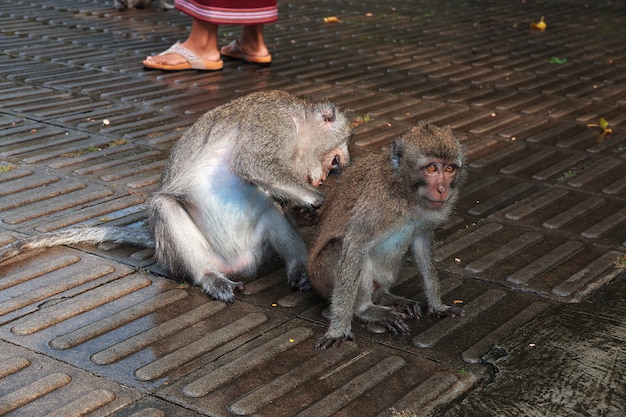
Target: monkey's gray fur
[(383, 204), (221, 202), (90, 235)]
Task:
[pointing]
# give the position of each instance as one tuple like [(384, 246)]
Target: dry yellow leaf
[(332, 19), (540, 25)]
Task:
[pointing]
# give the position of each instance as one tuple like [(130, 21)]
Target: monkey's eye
[(450, 168), (430, 168)]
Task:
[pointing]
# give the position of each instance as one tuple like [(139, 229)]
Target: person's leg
[(252, 42), (202, 41), (250, 46)]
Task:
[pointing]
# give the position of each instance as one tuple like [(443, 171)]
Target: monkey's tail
[(91, 235)]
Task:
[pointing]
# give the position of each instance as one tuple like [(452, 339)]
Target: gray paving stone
[(537, 231), (34, 384)]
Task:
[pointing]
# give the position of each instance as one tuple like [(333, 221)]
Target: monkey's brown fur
[(382, 205)]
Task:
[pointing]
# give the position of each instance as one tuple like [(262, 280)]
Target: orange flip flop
[(232, 50), (193, 61)]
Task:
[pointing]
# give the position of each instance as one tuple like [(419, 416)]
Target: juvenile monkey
[(382, 205), (224, 192)]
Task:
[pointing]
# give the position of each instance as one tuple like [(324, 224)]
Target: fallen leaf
[(557, 60), (603, 124), (540, 25), (332, 19)]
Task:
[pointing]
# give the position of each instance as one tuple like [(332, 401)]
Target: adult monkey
[(382, 205), (229, 183)]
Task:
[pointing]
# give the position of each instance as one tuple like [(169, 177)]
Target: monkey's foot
[(404, 307), (449, 311), (300, 280), (385, 316), (407, 309), (396, 325), (326, 341), (221, 289)]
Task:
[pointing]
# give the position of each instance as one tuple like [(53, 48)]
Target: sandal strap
[(189, 55)]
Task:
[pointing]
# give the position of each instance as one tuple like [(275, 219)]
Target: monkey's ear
[(327, 111), (397, 152)]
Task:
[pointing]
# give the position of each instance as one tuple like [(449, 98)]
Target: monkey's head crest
[(326, 111), (429, 141)]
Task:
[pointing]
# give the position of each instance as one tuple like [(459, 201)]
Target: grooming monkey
[(228, 189), (382, 205)]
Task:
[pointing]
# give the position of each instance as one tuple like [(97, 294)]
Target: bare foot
[(255, 50), (257, 55)]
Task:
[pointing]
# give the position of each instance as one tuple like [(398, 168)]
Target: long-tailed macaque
[(382, 205), (224, 194)]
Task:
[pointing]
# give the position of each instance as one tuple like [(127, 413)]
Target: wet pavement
[(531, 250)]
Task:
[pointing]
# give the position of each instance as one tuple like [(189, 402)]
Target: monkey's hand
[(301, 216), (299, 279), (448, 311), (327, 341), (221, 288), (306, 216)]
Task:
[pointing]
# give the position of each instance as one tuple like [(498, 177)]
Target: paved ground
[(531, 251)]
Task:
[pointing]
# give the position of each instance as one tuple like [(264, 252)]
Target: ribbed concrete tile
[(12, 95), (532, 261), (151, 406), (487, 194), (59, 273), (450, 93), (561, 165), (122, 119), (36, 385), (35, 141), (531, 162), (572, 213), (358, 102), (563, 135), (354, 378), (457, 341), (136, 329), (270, 290), (540, 221), (606, 175), (34, 197), (377, 133)]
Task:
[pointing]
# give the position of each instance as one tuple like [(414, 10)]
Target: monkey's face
[(438, 181), (430, 182), (332, 161)]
